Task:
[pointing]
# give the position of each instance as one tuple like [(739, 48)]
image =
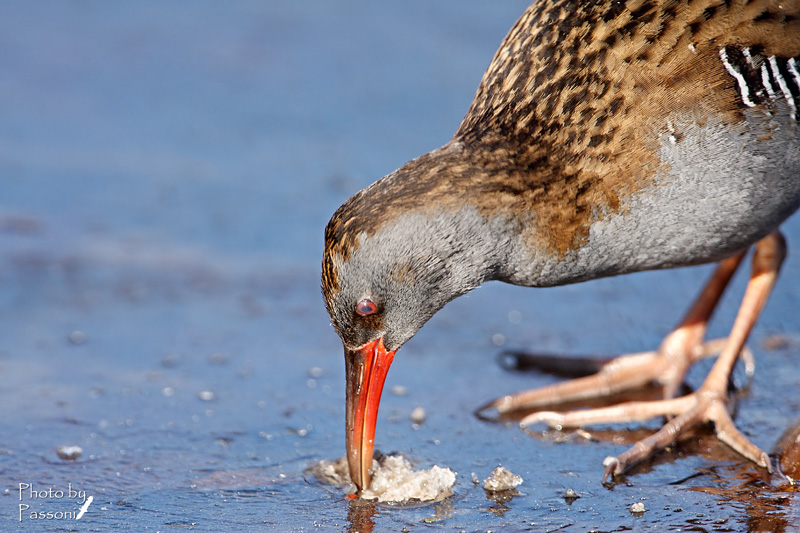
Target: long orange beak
[(365, 370)]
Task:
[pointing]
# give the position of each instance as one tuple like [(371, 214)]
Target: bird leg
[(666, 366), (708, 403)]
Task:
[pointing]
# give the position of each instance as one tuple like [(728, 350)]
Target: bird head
[(380, 288), (395, 254)]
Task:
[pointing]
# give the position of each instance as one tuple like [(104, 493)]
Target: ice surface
[(393, 479)]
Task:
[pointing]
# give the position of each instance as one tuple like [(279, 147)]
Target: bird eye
[(366, 307)]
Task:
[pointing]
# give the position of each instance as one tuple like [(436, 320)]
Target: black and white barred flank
[(762, 79)]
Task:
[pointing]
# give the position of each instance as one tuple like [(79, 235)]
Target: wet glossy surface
[(165, 177)]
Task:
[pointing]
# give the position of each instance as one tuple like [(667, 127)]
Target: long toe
[(702, 410)]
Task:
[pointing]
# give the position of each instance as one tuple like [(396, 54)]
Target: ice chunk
[(393, 479), (417, 416), (69, 453), (332, 472), (396, 481), (501, 479)]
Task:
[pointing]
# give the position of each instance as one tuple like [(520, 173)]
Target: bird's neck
[(457, 214), (460, 204), (465, 248)]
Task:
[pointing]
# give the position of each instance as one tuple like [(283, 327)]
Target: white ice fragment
[(69, 453), (393, 479), (396, 481), (332, 472), (501, 479), (77, 337), (207, 395), (418, 415), (637, 507)]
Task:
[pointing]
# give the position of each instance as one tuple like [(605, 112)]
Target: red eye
[(366, 307)]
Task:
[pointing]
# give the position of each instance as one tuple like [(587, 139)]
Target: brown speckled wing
[(580, 92)]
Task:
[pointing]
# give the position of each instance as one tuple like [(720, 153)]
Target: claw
[(612, 468)]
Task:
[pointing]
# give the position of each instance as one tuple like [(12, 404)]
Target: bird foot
[(666, 366), (686, 412)]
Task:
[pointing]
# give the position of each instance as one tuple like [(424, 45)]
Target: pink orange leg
[(667, 365), (708, 403)]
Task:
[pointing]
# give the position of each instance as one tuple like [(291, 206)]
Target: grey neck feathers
[(461, 249), (421, 261)]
